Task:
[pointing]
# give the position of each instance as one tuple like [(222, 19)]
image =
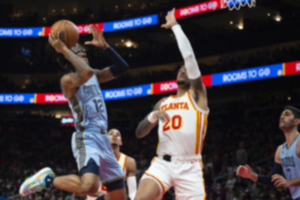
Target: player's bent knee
[(89, 188)]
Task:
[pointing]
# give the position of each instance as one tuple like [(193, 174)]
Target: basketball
[(67, 31)]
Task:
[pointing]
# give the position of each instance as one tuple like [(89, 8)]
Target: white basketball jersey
[(122, 162), (184, 133)]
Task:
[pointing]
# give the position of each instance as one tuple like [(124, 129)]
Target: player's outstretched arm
[(150, 121), (192, 69), (119, 64), (246, 172)]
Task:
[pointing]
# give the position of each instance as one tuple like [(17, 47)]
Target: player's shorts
[(184, 173), (91, 144)]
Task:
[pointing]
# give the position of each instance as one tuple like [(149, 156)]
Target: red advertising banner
[(163, 87), (292, 68), (171, 86), (50, 98), (46, 30), (207, 80), (82, 28), (197, 9)]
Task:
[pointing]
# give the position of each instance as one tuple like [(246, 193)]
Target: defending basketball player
[(90, 143), (127, 164), (182, 122), (286, 159)]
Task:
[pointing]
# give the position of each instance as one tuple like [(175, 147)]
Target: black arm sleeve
[(120, 65), (266, 180)]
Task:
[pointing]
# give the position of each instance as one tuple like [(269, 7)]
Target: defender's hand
[(170, 20)]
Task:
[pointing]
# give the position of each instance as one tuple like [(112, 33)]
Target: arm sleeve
[(266, 180), (120, 65), (131, 185), (187, 52)]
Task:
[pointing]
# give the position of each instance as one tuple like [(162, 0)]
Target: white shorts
[(184, 173)]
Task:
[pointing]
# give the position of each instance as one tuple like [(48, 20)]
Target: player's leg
[(88, 183), (87, 156), (111, 174), (189, 185), (119, 194), (148, 189), (155, 181)]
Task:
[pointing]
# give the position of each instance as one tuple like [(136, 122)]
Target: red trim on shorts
[(161, 184)]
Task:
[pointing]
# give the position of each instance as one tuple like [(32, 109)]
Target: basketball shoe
[(36, 182)]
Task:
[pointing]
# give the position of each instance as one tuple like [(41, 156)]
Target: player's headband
[(77, 49), (295, 111)]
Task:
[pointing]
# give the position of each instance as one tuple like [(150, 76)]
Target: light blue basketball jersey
[(291, 165), (90, 141), (88, 107)]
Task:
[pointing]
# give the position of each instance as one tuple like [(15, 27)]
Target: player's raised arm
[(198, 89), (119, 64), (70, 81)]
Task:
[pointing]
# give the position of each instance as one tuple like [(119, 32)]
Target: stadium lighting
[(240, 26), (128, 44), (278, 18)]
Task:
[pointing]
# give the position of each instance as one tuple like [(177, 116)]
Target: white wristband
[(131, 185), (151, 118)]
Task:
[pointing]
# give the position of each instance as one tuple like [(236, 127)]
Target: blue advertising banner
[(131, 23), (28, 98), (21, 32), (251, 74), (128, 92)]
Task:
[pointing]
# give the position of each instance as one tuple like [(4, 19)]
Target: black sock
[(49, 181)]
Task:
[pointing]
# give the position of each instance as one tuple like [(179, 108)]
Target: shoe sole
[(38, 175)]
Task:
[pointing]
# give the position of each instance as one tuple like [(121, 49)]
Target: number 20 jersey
[(88, 107), (184, 133)]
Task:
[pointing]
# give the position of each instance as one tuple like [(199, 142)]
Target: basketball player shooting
[(182, 122), (90, 143)]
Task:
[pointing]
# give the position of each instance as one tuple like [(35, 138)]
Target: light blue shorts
[(88, 145)]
